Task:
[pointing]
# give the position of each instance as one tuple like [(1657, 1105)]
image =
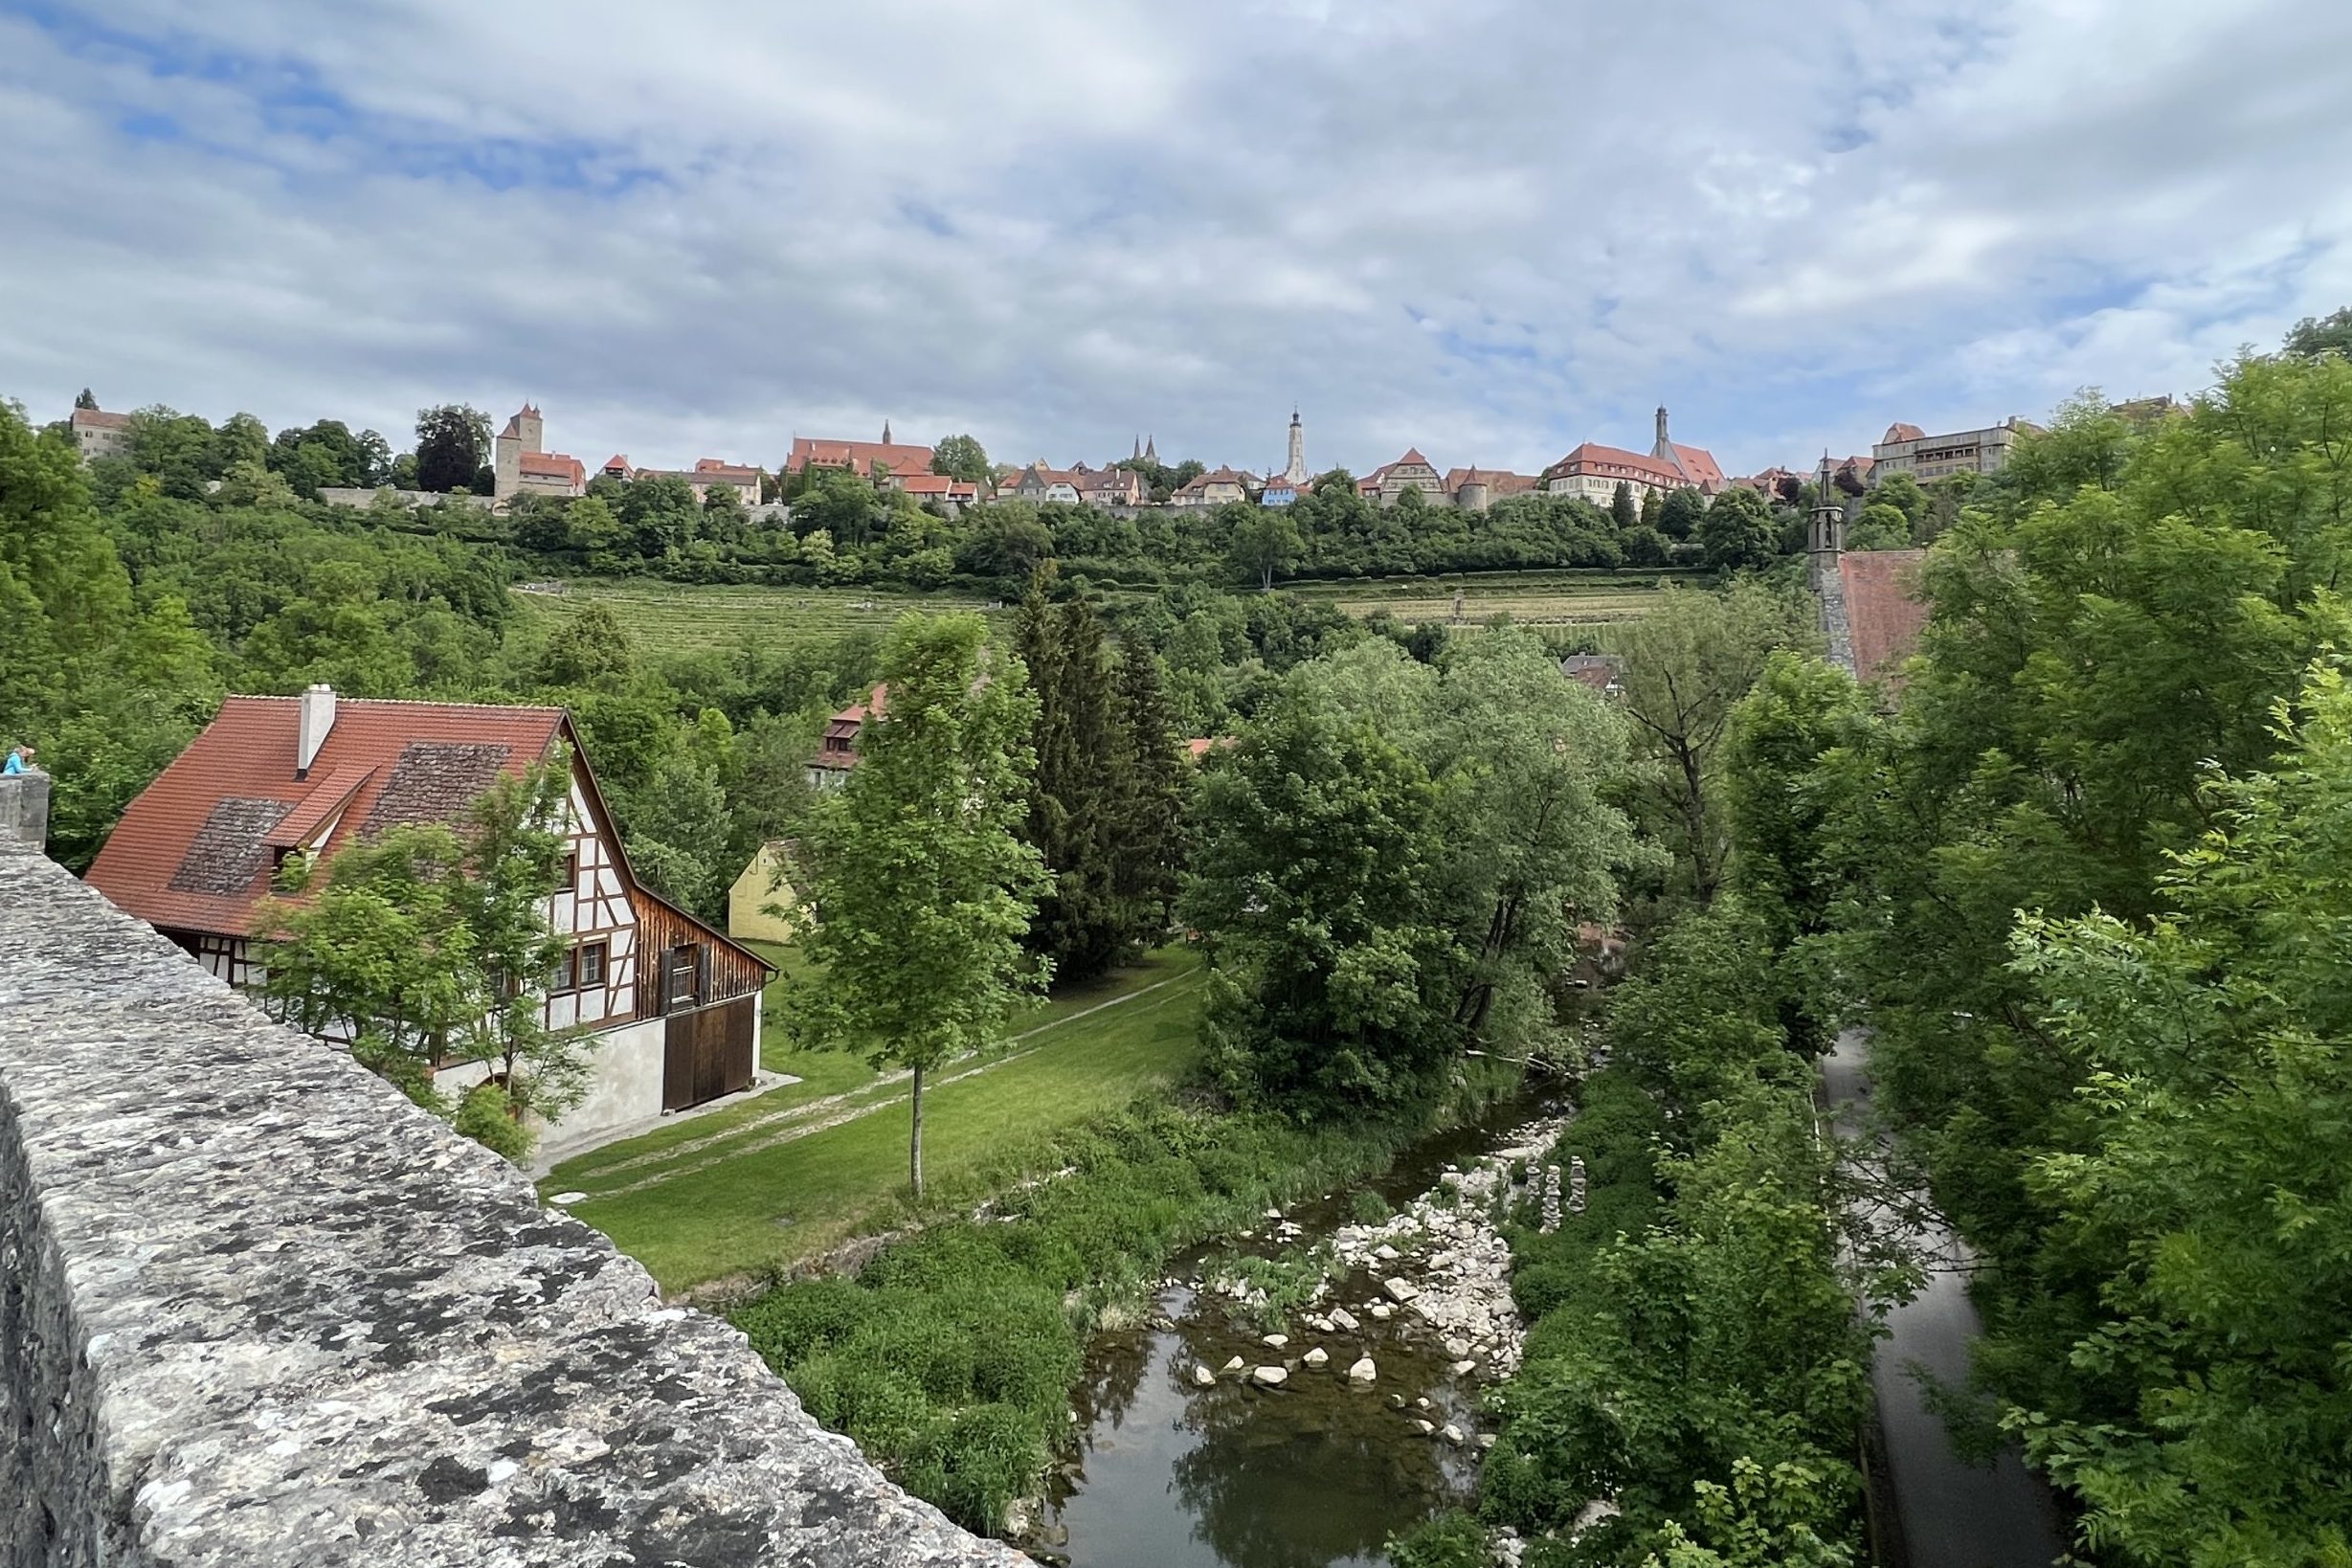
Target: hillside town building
[(98, 434), (1907, 449), (674, 1003), (864, 458), (523, 465), (1217, 488), (836, 749), (1593, 471), (1113, 487), (1041, 481)]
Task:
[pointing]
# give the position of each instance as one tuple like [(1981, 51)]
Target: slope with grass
[(785, 1175)]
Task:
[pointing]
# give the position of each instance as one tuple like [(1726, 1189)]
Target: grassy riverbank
[(784, 1176), (949, 1357)]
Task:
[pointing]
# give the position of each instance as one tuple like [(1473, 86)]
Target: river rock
[(1486, 1441), (1363, 1372), (1202, 1377), (1234, 1365), (1273, 1214), (1421, 1403), (1316, 1356), (1385, 1252), (1275, 1341), (1424, 1428), (1400, 1289), (1382, 1310), (1463, 1369), (1457, 1348), (1452, 1434), (1343, 1320), (1270, 1377), (567, 1199)]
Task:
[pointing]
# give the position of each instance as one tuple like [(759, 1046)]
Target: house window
[(566, 974), (591, 965), (685, 975), (572, 871)]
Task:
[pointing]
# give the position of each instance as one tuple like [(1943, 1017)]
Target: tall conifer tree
[(1079, 922), (1152, 784)]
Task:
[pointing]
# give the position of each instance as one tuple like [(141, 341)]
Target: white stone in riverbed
[(1400, 1289), (1486, 1440), (1202, 1377), (1316, 1356), (1275, 1341), (1425, 1428), (1385, 1252), (1457, 1348), (1463, 1369), (1343, 1320), (1270, 1377), (1363, 1372), (1381, 1310), (1452, 1434), (1422, 1404), (568, 1197), (1234, 1365), (1273, 1214)]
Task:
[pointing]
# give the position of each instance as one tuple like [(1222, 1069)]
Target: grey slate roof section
[(257, 1310), (228, 851), (434, 781)]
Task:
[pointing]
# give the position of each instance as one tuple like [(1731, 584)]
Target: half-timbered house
[(674, 1002)]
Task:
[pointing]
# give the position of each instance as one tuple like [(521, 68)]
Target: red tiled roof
[(1880, 607), (1902, 433), (193, 851), (100, 420), (1499, 481), (838, 748), (618, 462), (553, 465), (734, 472), (1699, 464), (858, 456), (1615, 461), (1412, 454)]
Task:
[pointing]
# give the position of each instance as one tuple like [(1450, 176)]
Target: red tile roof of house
[(1902, 433), (735, 473), (617, 462), (193, 852), (838, 748), (1412, 454), (1606, 461), (100, 420), (935, 484), (1699, 464), (553, 465), (1499, 481), (858, 456), (1881, 608)]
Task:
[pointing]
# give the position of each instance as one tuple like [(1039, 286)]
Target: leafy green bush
[(1453, 1539), (1367, 1207), (950, 1358)]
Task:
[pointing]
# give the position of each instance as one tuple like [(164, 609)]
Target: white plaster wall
[(626, 1086)]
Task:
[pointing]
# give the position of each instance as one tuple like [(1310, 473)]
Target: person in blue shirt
[(19, 760)]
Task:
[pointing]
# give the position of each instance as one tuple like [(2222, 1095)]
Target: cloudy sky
[(1493, 228)]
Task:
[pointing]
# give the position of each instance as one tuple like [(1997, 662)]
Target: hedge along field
[(696, 615), (1536, 598)]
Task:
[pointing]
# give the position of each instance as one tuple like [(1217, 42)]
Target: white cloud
[(1492, 230)]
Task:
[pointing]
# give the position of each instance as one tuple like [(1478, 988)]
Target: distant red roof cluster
[(100, 419), (1616, 462), (553, 466), (858, 456)]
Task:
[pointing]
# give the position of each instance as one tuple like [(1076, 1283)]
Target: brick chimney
[(318, 717)]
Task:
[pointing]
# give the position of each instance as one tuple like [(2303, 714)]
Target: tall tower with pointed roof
[(1295, 469), (885, 432), (1150, 449)]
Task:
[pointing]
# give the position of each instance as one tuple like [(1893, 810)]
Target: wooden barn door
[(707, 1053)]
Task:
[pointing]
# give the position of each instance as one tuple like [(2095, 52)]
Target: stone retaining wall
[(257, 1310)]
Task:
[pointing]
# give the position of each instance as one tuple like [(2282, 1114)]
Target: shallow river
[(1317, 1473)]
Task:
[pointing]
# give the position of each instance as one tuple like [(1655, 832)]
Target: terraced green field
[(684, 615)]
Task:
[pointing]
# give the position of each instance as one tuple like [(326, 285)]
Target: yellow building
[(762, 905)]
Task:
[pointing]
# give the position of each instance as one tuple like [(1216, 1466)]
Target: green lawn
[(762, 1184), (664, 615)]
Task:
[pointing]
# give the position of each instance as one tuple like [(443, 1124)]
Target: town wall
[(256, 1308)]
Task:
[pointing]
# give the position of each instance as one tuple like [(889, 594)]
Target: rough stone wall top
[(256, 1310)]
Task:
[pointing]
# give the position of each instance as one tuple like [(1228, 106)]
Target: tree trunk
[(914, 1144)]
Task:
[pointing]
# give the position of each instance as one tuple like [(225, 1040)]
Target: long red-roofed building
[(675, 1002), (859, 457)]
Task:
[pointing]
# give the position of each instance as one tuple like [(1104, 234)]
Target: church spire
[(1295, 466), (885, 432), (1150, 449)]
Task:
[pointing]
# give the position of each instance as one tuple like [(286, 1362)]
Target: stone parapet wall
[(257, 1310)]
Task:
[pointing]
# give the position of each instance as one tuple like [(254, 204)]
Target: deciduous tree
[(922, 887), (453, 443)]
